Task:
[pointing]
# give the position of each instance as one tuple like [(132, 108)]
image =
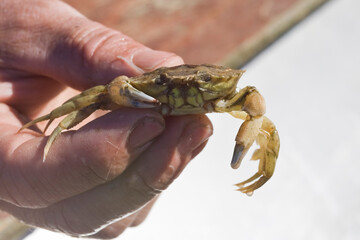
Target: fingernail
[(144, 131), (149, 59)]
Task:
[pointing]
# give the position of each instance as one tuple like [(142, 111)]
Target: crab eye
[(161, 80), (206, 78), (158, 81)]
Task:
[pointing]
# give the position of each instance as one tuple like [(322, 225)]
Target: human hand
[(104, 177)]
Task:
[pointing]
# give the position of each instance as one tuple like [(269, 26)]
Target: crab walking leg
[(69, 106), (91, 91), (78, 102), (68, 122)]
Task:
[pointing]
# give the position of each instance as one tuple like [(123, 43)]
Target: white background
[(310, 79)]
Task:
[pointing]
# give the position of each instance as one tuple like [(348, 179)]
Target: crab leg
[(78, 102), (91, 91), (78, 108), (249, 105), (68, 122)]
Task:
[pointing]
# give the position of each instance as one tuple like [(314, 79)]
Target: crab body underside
[(181, 90)]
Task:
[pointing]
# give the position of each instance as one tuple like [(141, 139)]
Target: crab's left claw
[(269, 142), (249, 105), (244, 139)]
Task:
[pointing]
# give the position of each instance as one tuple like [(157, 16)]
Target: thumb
[(64, 45)]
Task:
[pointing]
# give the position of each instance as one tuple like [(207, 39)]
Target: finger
[(143, 213), (153, 171), (77, 161), (64, 45), (116, 229)]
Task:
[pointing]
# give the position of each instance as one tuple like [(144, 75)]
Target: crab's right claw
[(124, 94)]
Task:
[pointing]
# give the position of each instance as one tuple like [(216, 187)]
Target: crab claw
[(123, 93), (139, 96), (269, 142), (238, 155), (244, 139)]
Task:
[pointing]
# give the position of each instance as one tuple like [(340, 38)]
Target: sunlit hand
[(104, 177)]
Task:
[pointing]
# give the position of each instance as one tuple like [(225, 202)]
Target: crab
[(181, 90)]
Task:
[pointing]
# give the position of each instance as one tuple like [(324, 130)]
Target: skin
[(104, 177)]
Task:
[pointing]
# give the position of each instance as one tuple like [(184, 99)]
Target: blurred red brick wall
[(198, 30)]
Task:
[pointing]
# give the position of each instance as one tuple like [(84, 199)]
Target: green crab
[(180, 90)]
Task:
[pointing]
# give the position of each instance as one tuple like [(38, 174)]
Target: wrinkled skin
[(84, 190)]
